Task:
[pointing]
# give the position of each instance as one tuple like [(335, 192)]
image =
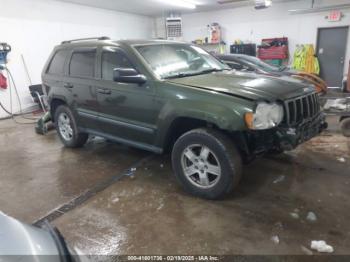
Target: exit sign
[(335, 16)]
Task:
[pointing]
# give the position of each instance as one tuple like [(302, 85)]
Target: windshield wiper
[(178, 75), (207, 71), (211, 70)]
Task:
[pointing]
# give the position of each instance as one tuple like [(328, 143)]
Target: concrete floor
[(146, 212)]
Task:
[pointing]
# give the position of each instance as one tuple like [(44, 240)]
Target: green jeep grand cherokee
[(166, 96)]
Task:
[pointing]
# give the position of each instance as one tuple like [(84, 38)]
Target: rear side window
[(57, 63), (82, 64), (111, 60)]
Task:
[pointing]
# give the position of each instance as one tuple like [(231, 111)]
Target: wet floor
[(146, 212), (38, 174)]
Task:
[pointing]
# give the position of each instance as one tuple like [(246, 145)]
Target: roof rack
[(86, 39)]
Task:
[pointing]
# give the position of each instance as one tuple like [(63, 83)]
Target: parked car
[(22, 242), (253, 64), (164, 96)]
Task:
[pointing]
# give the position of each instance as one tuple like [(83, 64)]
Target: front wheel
[(67, 128), (206, 163)]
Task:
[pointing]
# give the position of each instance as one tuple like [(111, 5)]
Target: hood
[(20, 239), (248, 85)]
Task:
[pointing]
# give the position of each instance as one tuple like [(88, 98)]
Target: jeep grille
[(301, 109)]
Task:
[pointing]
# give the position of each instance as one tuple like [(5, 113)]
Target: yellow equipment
[(305, 60)]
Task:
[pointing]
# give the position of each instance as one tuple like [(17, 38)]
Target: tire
[(64, 120), (345, 126), (223, 158)]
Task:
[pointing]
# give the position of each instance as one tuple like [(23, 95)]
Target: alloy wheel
[(65, 127), (201, 166)]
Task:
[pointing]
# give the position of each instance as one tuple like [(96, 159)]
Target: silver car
[(22, 242)]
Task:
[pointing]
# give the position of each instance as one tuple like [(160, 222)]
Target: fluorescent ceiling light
[(319, 9), (181, 3)]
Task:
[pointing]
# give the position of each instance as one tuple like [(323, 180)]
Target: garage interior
[(110, 199)]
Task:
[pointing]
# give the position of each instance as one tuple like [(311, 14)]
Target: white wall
[(34, 27), (248, 24)]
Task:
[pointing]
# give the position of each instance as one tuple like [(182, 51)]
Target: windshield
[(261, 64), (179, 60)]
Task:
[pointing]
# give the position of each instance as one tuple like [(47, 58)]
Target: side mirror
[(128, 75)]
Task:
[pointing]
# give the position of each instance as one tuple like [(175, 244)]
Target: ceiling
[(161, 7)]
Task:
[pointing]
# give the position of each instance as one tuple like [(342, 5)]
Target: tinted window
[(111, 60), (82, 64), (57, 63)]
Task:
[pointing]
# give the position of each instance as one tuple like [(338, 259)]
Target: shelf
[(212, 44)]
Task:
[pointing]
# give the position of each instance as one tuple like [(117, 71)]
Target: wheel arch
[(54, 104), (182, 124), (343, 117)]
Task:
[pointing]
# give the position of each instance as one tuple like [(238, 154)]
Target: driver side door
[(128, 112)]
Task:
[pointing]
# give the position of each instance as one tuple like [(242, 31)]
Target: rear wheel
[(345, 126), (206, 163), (67, 128)]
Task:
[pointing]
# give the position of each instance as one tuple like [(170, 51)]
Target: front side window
[(57, 63), (177, 60), (82, 64), (112, 60)]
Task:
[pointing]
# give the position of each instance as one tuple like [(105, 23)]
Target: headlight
[(265, 116)]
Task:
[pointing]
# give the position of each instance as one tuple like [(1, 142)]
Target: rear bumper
[(288, 138)]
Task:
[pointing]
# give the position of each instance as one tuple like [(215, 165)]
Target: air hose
[(11, 79)]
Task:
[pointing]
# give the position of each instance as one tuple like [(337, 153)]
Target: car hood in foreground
[(247, 85)]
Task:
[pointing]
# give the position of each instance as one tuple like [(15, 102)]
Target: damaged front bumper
[(288, 138), (276, 140)]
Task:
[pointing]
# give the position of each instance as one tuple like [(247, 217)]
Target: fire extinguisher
[(3, 81)]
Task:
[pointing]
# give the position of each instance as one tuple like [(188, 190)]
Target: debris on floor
[(279, 225), (279, 179), (306, 250), (161, 165), (131, 172), (311, 216), (339, 104), (294, 215), (321, 246), (341, 159), (115, 200), (275, 239), (160, 206)]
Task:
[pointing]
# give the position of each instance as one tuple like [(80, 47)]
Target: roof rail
[(86, 39)]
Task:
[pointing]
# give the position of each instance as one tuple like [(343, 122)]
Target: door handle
[(104, 91), (68, 85)]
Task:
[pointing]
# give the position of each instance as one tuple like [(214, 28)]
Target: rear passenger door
[(53, 76), (81, 82)]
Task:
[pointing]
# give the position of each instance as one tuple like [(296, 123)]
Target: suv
[(164, 96)]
